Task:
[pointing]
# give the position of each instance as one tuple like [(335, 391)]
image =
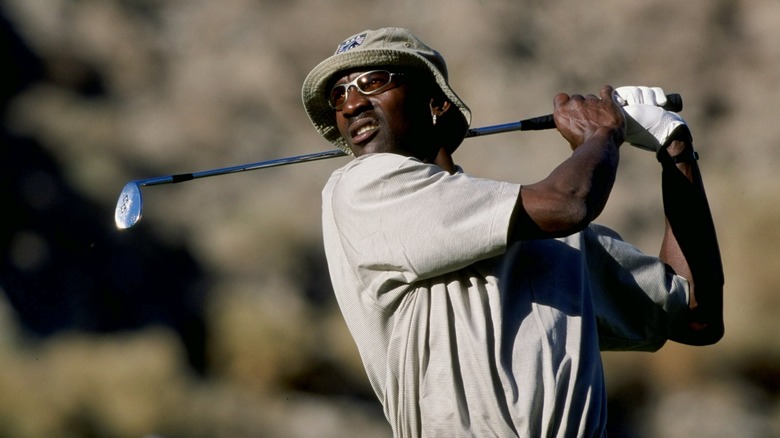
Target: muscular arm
[(576, 191), (690, 245)]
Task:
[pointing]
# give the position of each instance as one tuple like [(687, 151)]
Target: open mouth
[(363, 130)]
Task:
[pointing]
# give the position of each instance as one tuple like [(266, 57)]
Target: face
[(395, 120)]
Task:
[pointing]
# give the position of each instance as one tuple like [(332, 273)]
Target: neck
[(444, 160)]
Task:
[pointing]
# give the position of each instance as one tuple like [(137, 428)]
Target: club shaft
[(674, 103), (537, 123), (181, 177), (533, 124)]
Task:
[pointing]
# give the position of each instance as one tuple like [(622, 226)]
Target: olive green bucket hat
[(387, 47)]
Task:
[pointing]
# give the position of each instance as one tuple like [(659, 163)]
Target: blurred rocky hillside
[(214, 317)]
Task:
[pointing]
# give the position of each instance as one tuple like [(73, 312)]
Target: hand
[(579, 117), (648, 126)]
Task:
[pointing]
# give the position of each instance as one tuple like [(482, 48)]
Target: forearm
[(690, 244), (575, 192)]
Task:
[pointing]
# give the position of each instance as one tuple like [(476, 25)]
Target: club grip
[(673, 103)]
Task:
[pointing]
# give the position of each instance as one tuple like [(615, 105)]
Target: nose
[(355, 101)]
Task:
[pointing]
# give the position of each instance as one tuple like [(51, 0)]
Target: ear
[(439, 108)]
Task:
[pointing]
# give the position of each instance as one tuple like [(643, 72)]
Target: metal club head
[(129, 206)]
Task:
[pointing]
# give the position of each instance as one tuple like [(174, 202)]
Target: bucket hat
[(387, 47)]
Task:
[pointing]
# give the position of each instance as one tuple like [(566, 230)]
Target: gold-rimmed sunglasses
[(372, 82)]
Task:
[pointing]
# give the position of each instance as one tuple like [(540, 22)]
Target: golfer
[(479, 307)]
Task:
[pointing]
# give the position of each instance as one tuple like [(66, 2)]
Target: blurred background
[(214, 316)]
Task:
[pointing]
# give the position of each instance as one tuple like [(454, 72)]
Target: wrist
[(678, 147), (614, 135), (680, 134), (681, 151), (683, 154)]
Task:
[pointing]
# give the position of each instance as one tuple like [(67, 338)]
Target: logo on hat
[(351, 43)]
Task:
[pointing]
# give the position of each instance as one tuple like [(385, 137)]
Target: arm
[(576, 191), (690, 245)]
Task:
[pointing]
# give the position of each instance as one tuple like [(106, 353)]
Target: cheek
[(418, 108), (409, 115), (341, 123), (418, 119)]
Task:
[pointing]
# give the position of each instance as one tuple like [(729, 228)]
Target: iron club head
[(129, 206)]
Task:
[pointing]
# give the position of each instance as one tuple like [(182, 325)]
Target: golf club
[(129, 206)]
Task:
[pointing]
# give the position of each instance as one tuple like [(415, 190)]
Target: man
[(479, 307)]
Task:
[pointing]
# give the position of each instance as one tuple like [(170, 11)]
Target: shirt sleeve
[(636, 297), (398, 215)]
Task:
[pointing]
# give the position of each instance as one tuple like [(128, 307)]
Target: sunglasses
[(372, 82)]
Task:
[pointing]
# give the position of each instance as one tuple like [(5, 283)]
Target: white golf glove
[(640, 95), (648, 126)]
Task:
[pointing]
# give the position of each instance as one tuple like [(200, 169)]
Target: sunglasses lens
[(338, 95), (368, 83), (373, 81)]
